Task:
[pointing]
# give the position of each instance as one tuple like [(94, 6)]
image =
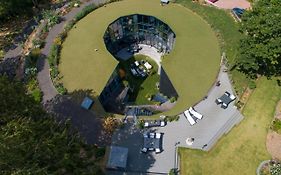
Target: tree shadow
[(131, 137), (88, 123)]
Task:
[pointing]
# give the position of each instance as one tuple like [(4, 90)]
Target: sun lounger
[(157, 150), (195, 113), (189, 118)]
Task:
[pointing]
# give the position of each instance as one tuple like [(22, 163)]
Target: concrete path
[(215, 123), (44, 79), (146, 50)]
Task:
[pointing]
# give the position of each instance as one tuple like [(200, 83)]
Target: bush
[(275, 169), (100, 152), (173, 171), (37, 95), (38, 43), (172, 118), (51, 17), (141, 124), (61, 89), (173, 99), (54, 54), (85, 11), (252, 84), (276, 126)]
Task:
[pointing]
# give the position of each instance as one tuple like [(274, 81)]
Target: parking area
[(205, 133)]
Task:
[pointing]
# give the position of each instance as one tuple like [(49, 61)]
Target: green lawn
[(243, 148), (227, 31), (192, 65), (141, 86)]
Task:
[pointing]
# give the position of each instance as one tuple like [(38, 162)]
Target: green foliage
[(16, 103), (34, 90), (13, 8), (38, 43), (252, 84), (141, 124), (276, 126), (172, 118), (32, 142), (52, 17), (275, 169), (260, 49), (1, 54), (54, 55), (173, 171), (100, 152), (173, 99), (85, 11)]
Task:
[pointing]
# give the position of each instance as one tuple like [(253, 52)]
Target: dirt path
[(273, 145)]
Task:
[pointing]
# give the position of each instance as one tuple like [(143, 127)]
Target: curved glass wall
[(139, 29)]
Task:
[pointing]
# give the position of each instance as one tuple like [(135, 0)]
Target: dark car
[(238, 11)]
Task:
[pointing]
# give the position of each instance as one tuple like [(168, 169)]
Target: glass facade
[(139, 29)]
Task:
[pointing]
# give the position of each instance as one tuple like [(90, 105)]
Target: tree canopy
[(33, 142), (260, 49), (12, 8)]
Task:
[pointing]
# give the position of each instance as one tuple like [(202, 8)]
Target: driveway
[(230, 4), (215, 123)]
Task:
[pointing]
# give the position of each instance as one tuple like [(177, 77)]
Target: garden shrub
[(85, 11), (252, 84), (276, 125), (52, 18), (100, 152), (275, 169), (54, 54), (173, 99)]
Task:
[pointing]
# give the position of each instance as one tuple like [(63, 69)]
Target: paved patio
[(215, 123)]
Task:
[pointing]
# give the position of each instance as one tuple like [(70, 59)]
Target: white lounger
[(195, 113), (189, 118)]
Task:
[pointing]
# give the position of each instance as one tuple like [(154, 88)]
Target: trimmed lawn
[(227, 31), (241, 151), (192, 65), (141, 86)]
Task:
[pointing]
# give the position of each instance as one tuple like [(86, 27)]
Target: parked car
[(154, 123), (238, 11)]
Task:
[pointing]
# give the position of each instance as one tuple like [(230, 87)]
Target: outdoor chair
[(157, 150), (152, 135), (158, 135), (195, 113), (189, 118), (144, 150)]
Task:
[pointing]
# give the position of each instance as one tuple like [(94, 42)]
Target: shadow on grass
[(89, 123)]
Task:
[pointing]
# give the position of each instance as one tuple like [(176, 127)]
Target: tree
[(260, 48), (33, 142)]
